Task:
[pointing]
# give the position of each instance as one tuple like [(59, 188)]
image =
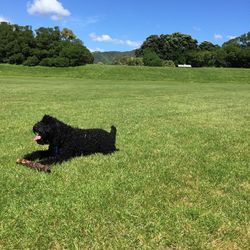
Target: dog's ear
[(47, 118)]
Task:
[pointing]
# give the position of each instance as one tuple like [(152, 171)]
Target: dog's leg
[(56, 159), (37, 155)]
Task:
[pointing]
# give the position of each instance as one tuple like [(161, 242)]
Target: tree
[(220, 58), (242, 41), (5, 33), (76, 53), (208, 46), (68, 35), (236, 56), (48, 42), (201, 58), (60, 48), (169, 47), (150, 58), (31, 61), (152, 42), (15, 40), (17, 58), (45, 46)]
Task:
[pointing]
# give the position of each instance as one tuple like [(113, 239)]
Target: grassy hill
[(179, 181), (110, 57), (131, 73)]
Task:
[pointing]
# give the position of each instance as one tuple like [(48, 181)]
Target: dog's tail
[(113, 134)]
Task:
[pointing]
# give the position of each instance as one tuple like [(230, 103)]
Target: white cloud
[(108, 38), (130, 43), (52, 8), (218, 37), (101, 38), (3, 19)]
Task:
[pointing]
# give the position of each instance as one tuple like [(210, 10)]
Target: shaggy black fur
[(66, 142)]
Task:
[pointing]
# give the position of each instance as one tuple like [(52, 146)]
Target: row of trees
[(61, 48), (45, 46), (183, 49)]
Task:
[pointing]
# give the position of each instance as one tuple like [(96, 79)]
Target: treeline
[(61, 48), (180, 48), (44, 46)]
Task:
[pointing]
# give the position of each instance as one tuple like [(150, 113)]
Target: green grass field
[(179, 181)]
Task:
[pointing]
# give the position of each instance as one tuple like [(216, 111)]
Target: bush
[(16, 59), (31, 61), (150, 58), (40, 53), (60, 62), (131, 61), (46, 62), (55, 62), (168, 63)]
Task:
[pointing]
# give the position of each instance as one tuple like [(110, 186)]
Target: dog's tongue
[(37, 138)]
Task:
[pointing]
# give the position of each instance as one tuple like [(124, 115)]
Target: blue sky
[(124, 25)]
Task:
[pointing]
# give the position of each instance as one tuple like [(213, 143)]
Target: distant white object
[(184, 65)]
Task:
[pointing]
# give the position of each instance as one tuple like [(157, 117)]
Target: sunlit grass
[(179, 181)]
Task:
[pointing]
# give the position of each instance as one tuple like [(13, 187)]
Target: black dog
[(66, 142)]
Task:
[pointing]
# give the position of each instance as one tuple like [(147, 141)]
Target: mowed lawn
[(181, 179)]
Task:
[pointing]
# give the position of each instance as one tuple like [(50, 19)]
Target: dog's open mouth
[(37, 137)]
